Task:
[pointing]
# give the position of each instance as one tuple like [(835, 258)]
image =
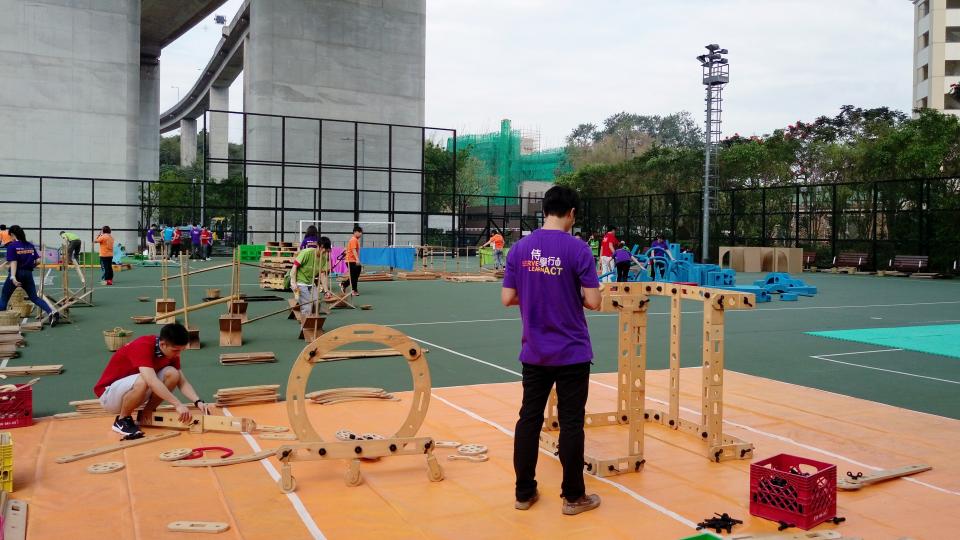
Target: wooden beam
[(114, 447)]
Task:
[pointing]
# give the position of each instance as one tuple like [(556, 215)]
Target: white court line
[(860, 352), (659, 508), (734, 424), (695, 312), (294, 499), (883, 369)]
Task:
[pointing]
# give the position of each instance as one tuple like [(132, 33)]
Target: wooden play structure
[(164, 304), (761, 259), (311, 446), (631, 301), (69, 296)]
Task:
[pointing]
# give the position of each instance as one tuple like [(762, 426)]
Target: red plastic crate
[(16, 408), (802, 501)]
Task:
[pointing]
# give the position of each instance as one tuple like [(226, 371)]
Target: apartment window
[(953, 34), (923, 41), (950, 103), (922, 103), (952, 68), (923, 72), (953, 4), (923, 8)]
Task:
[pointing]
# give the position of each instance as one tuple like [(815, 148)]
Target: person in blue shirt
[(167, 240), (22, 257)]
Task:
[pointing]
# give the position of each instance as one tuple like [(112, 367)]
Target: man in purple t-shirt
[(551, 275), (195, 242)]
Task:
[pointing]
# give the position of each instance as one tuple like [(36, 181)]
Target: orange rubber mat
[(677, 487)]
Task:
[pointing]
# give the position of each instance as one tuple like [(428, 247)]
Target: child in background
[(623, 259), (105, 240)]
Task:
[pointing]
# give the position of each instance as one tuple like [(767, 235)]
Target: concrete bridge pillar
[(219, 130), (188, 141)]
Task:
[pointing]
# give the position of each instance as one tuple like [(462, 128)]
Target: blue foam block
[(788, 297)]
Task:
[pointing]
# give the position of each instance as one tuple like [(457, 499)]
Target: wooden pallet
[(376, 276), (247, 395)]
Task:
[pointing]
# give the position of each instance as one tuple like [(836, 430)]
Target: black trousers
[(354, 275), (623, 271), (73, 252), (106, 266), (572, 382)]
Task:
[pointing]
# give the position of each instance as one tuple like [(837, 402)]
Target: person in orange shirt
[(4, 235), (496, 240), (106, 255), (352, 258)]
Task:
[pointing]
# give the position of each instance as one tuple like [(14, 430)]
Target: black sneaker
[(54, 320), (127, 427)]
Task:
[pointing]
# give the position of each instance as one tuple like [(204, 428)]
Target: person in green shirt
[(306, 268), (72, 241)]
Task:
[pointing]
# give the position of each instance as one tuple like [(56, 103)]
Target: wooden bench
[(850, 262), (810, 260)]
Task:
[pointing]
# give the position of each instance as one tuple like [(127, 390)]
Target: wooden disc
[(175, 454), (105, 467), (472, 449), (143, 298), (142, 319), (346, 435)]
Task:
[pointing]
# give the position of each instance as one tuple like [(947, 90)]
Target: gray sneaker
[(525, 505), (581, 505)]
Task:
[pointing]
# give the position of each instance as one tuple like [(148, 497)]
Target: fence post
[(833, 222), (873, 232), (763, 216)]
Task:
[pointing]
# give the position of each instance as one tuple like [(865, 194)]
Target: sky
[(549, 65)]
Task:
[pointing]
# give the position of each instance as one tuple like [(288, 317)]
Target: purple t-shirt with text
[(548, 268), (24, 253), (621, 256), (195, 235)]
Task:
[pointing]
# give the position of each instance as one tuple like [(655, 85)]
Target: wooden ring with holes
[(315, 352), (471, 449), (105, 467), (175, 454)]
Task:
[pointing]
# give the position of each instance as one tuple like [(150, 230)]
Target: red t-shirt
[(608, 244), (205, 237), (141, 352)]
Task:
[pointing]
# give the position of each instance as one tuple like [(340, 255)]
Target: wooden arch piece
[(318, 351)]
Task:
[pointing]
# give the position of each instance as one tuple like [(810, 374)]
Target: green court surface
[(942, 339), (472, 339)]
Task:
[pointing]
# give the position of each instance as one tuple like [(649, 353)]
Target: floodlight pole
[(716, 74)]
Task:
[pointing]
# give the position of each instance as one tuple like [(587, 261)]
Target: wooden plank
[(872, 477), (219, 462), (52, 369), (114, 447), (210, 527), (15, 520)]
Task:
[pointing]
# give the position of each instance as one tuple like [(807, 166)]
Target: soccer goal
[(375, 233)]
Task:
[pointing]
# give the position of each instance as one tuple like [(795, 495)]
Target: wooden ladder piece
[(211, 527), (15, 520), (217, 462), (200, 423), (17, 371), (848, 483), (114, 447)]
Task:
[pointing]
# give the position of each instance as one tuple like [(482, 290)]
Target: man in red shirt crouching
[(145, 372)]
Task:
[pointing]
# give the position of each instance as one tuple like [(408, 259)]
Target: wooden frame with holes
[(631, 301), (404, 442)]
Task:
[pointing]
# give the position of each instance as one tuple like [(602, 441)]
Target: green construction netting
[(500, 152)]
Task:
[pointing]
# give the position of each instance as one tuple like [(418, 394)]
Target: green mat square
[(942, 339)]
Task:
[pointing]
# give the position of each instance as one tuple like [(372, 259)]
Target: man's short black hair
[(174, 334), (611, 228), (559, 200), (357, 228)]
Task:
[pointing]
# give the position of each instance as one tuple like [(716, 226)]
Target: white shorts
[(112, 397)]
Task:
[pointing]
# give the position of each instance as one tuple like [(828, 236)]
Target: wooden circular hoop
[(315, 352)]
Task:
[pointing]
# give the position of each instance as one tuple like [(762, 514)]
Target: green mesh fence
[(501, 155)]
